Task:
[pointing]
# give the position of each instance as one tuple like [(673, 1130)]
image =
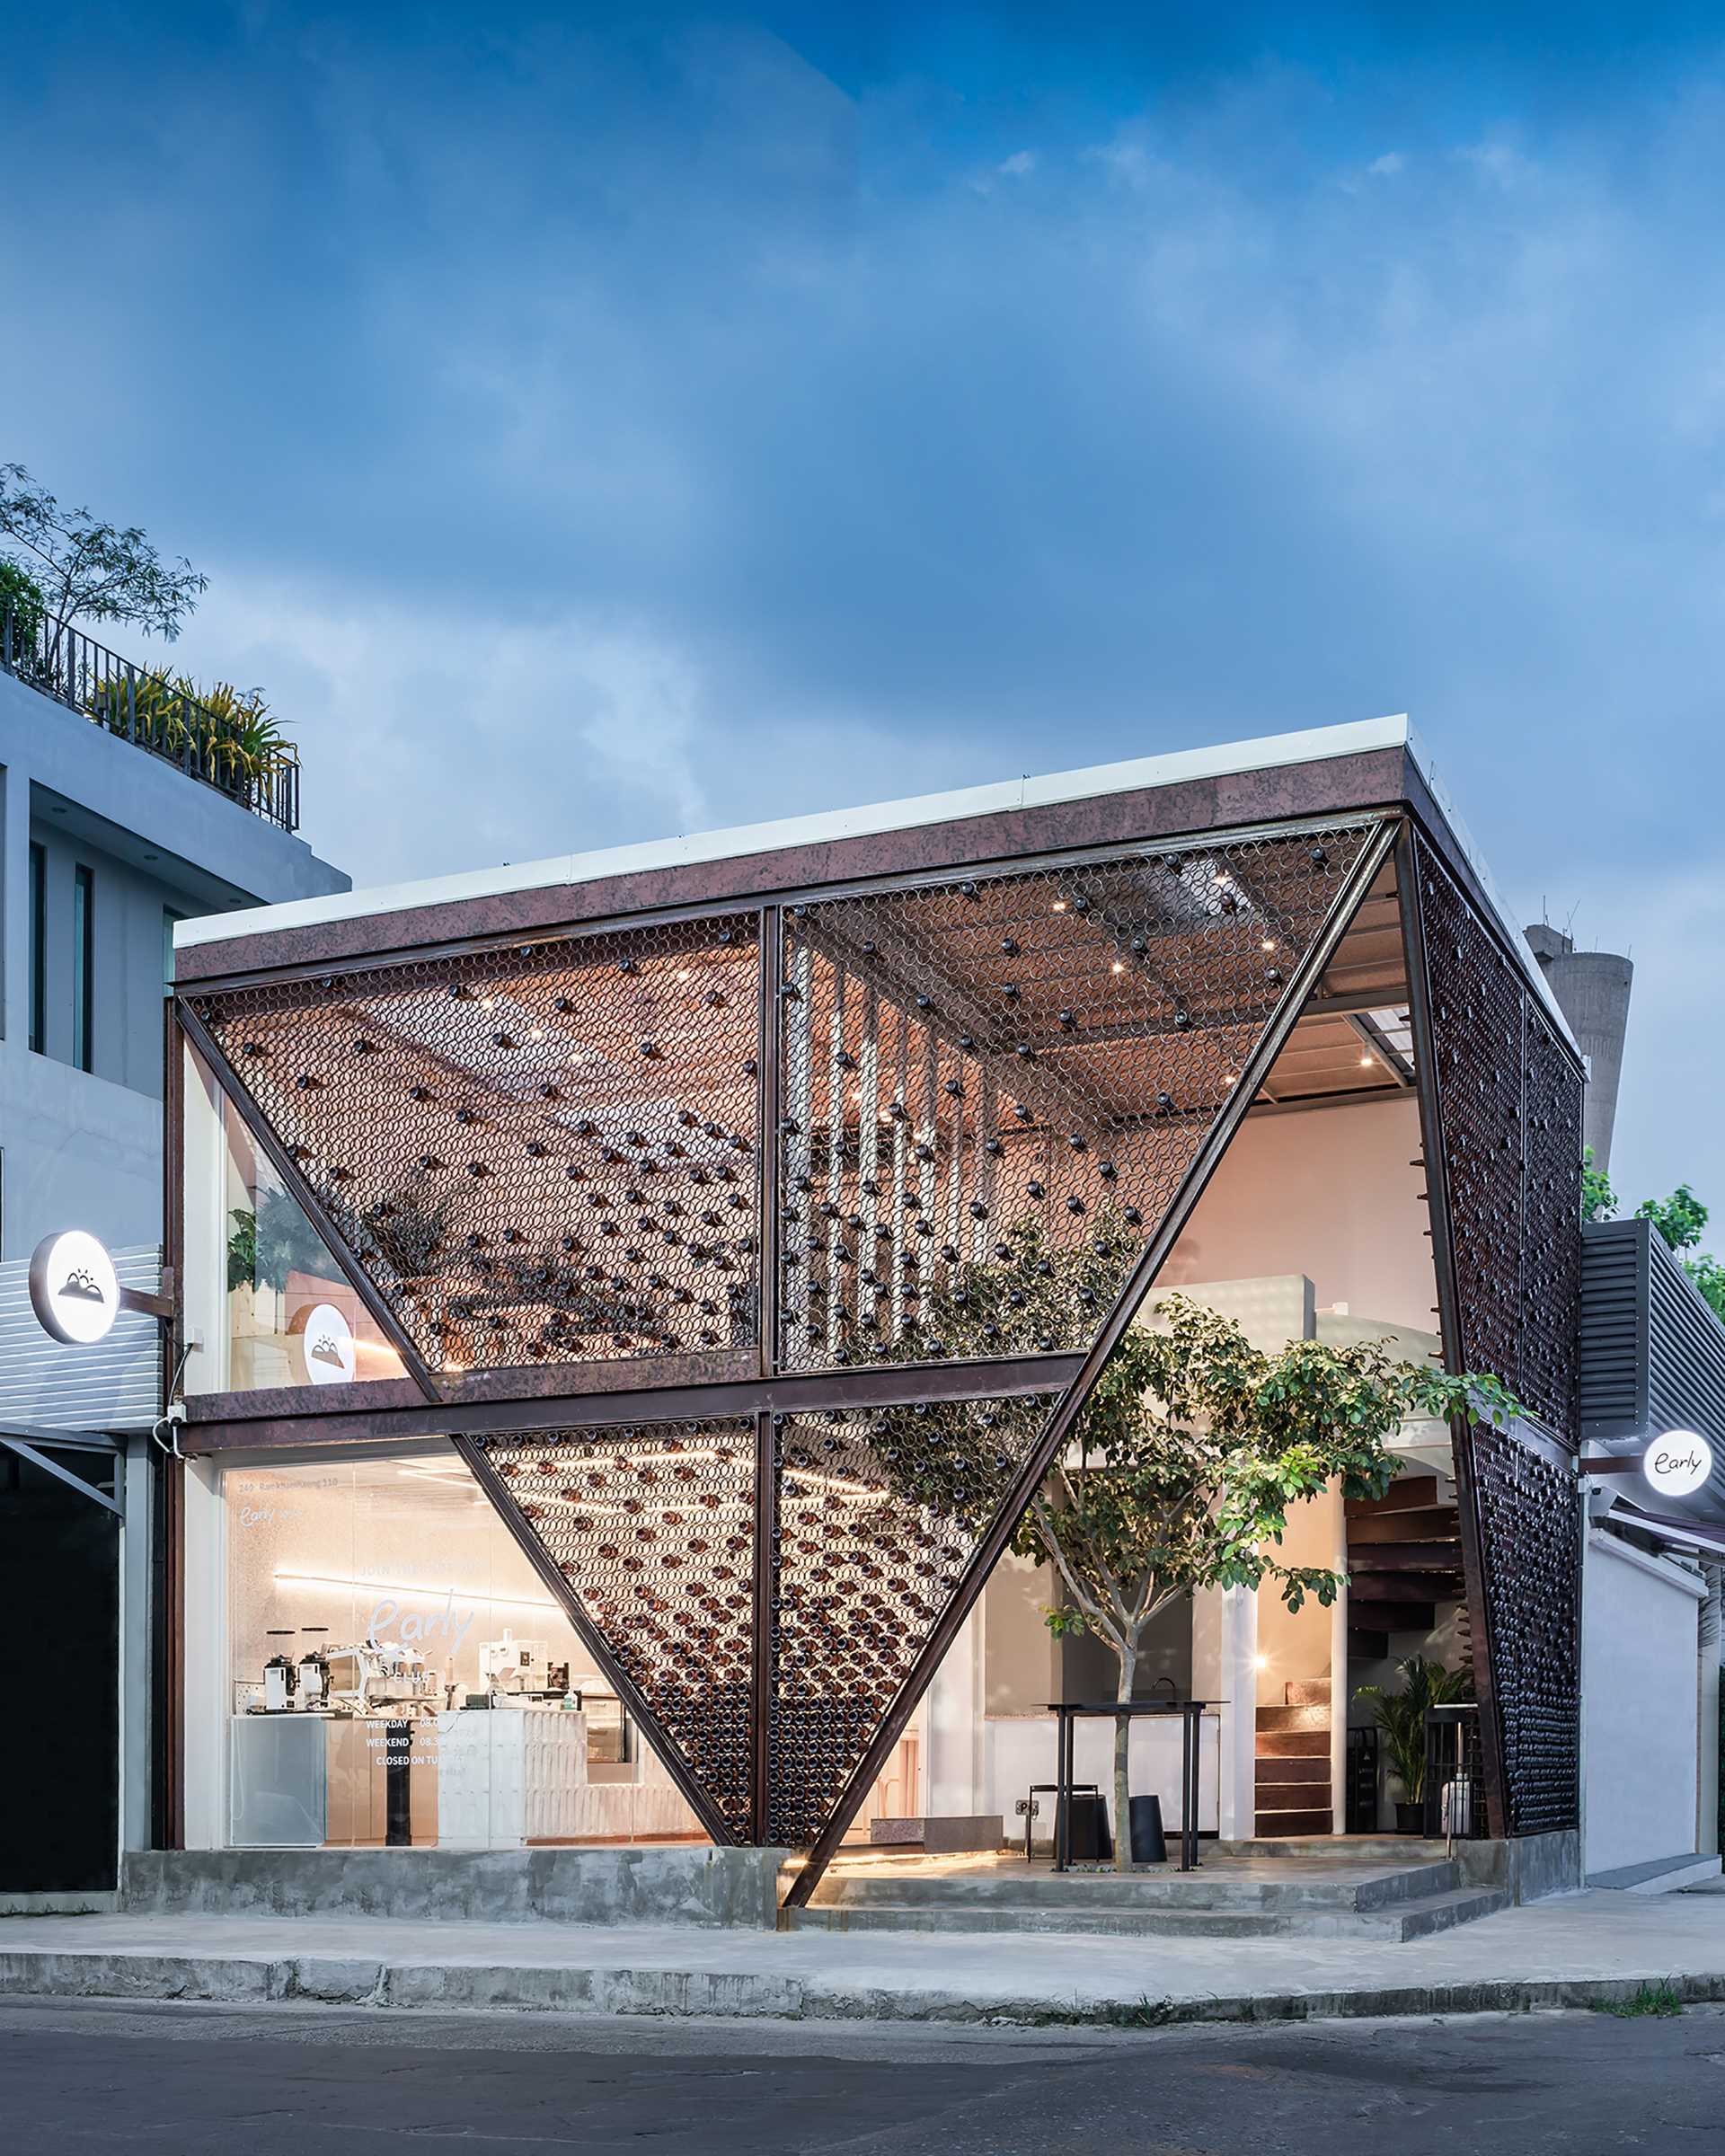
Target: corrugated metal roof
[(115, 1385)]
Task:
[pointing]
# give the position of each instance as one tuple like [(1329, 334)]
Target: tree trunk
[(1122, 1763)]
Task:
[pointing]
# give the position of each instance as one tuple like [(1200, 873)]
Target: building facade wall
[(1640, 1623)]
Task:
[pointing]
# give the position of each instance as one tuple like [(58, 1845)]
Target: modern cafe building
[(571, 1449)]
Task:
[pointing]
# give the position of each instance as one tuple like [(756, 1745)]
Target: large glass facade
[(400, 1676)]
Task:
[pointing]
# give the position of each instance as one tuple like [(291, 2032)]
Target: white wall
[(1640, 1623), (1328, 1192)]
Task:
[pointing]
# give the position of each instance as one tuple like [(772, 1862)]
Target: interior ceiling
[(1353, 1037)]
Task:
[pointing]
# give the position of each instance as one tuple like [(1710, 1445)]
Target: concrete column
[(953, 1721), (208, 1694), (1224, 1668)]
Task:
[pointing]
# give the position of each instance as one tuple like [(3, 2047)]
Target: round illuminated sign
[(73, 1289), (1678, 1462), (326, 1342)]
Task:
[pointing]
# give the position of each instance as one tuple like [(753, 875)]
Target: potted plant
[(1401, 1718)]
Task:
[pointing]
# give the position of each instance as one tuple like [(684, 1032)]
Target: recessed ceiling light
[(1269, 944)]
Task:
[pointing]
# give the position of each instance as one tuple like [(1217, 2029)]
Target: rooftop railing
[(235, 751)]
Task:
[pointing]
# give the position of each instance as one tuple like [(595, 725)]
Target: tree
[(88, 571), (1680, 1220), (1599, 1199), (1187, 1458)]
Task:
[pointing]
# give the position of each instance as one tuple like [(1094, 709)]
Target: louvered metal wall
[(113, 1386), (1652, 1352)]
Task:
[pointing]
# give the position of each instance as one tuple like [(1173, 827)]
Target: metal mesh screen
[(544, 1153), (981, 1074), (1476, 1022), (1509, 1112), (1530, 1549), (1551, 1234), (878, 1517), (653, 1527)]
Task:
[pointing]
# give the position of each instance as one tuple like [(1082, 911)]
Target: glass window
[(38, 949), (83, 952), (400, 1675), (265, 1297)]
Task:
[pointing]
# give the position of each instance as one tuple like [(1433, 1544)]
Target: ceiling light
[(1118, 966), (1367, 1061), (1269, 944), (1060, 906)]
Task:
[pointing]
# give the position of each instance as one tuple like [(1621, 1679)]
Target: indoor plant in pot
[(1401, 1718)]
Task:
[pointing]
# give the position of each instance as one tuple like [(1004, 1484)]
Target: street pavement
[(305, 2080)]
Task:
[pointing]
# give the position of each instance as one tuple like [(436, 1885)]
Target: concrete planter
[(702, 1886)]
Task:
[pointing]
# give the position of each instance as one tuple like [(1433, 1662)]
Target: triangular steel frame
[(1255, 1070), (759, 1398)]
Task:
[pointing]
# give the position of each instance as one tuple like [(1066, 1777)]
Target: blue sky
[(596, 423)]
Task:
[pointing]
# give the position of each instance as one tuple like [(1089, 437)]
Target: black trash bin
[(1149, 1845), (1088, 1840)]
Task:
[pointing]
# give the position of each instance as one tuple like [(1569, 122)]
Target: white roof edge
[(1314, 744)]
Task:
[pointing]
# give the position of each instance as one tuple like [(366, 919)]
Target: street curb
[(696, 1994)]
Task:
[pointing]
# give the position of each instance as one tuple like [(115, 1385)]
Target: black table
[(1067, 1712)]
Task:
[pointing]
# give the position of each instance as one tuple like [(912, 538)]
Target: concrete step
[(1294, 1744), (1307, 1692), (1316, 1769), (1271, 1820), (1293, 1718), (1416, 1918), (1212, 1885)]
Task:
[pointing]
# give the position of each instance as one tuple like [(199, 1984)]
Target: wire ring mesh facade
[(974, 1105), (548, 1153)]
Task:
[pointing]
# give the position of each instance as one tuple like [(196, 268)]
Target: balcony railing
[(144, 706)]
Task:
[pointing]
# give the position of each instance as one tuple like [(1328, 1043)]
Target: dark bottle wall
[(59, 1572)]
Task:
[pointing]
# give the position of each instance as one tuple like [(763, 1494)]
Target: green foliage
[(1190, 1450), (1401, 1715), (22, 594), (265, 1246), (89, 570), (1599, 1199), (1660, 2000), (1709, 1276), (1679, 1218), (230, 730)]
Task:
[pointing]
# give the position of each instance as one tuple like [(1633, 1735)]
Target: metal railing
[(144, 706)]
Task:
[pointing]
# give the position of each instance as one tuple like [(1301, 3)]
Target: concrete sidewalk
[(1581, 1949)]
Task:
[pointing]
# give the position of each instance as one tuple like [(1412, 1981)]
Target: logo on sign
[(1678, 1462), (326, 1342), (73, 1288)]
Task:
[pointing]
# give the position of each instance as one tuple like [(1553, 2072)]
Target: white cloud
[(1019, 165), (1388, 165), (433, 742)]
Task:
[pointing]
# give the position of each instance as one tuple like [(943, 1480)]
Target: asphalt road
[(313, 2081)]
